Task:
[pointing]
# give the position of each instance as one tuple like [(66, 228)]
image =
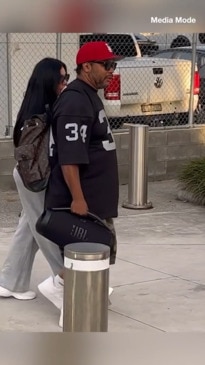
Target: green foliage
[(192, 179)]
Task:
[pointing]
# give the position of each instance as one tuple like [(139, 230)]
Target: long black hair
[(41, 90)]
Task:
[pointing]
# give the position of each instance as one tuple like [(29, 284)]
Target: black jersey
[(81, 136)]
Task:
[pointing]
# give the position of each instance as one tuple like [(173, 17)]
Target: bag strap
[(89, 214), (49, 114)]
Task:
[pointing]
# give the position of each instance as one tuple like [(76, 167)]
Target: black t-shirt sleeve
[(74, 125)]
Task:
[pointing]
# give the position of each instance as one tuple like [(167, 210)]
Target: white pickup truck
[(154, 91), (150, 90)]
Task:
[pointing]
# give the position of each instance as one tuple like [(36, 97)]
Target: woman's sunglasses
[(64, 78), (107, 64)]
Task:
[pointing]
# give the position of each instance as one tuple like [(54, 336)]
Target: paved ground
[(159, 277)]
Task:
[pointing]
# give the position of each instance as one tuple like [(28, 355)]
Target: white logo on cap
[(108, 47)]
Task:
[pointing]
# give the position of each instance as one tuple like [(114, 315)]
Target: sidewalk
[(159, 276)]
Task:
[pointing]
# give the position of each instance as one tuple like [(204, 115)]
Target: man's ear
[(86, 67)]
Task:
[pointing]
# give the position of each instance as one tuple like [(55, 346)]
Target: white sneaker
[(53, 291), (27, 295)]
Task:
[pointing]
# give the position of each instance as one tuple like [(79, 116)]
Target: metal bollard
[(86, 285), (138, 167)]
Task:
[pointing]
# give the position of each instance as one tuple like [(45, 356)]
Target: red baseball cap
[(95, 51)]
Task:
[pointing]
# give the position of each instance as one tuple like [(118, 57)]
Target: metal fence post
[(138, 167), (9, 126), (191, 100), (86, 285), (59, 45)]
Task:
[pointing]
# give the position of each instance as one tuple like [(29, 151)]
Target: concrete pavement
[(159, 276)]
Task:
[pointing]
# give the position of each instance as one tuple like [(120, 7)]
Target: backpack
[(32, 153)]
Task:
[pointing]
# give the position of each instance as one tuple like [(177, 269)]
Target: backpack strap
[(49, 114)]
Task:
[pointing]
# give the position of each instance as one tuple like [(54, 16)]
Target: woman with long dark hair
[(47, 81)]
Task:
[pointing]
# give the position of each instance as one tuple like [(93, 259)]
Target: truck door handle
[(157, 70)]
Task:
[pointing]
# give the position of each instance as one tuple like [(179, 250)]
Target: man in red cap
[(84, 174)]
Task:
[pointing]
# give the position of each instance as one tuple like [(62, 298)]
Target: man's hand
[(72, 179), (79, 207)]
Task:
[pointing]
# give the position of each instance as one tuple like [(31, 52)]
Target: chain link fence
[(151, 86)]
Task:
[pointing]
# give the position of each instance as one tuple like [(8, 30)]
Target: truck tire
[(202, 37), (180, 41)]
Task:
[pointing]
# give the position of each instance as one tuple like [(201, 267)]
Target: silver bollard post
[(138, 167), (86, 285)]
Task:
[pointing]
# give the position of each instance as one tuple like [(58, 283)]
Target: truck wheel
[(202, 37), (199, 114), (180, 41)]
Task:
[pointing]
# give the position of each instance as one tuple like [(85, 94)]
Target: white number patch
[(83, 130), (109, 144), (74, 132), (51, 143)]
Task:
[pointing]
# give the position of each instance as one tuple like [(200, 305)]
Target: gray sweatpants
[(16, 271)]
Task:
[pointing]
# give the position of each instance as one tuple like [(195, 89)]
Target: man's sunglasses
[(64, 78), (107, 64)]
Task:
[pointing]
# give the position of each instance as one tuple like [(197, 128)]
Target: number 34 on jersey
[(74, 131)]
